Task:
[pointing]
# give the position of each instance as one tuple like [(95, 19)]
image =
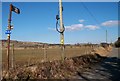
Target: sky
[(62, 0), (84, 22)]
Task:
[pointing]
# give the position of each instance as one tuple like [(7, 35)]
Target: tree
[(117, 43)]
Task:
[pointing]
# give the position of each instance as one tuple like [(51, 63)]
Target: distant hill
[(21, 44)]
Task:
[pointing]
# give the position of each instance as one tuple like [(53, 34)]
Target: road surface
[(115, 53), (107, 70)]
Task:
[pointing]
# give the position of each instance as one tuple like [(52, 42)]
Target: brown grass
[(32, 56)]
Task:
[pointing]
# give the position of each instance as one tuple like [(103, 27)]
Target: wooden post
[(61, 29), (16, 10), (8, 40), (45, 53), (12, 56)]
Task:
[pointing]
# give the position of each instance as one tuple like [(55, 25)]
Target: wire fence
[(30, 56)]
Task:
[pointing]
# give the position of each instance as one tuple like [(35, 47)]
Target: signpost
[(8, 32)]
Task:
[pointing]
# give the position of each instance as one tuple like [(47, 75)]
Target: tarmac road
[(107, 70), (115, 53)]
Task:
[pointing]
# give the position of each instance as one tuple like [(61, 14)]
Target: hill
[(22, 44)]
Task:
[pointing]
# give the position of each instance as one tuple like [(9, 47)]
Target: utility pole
[(106, 36), (61, 23), (62, 29), (45, 52)]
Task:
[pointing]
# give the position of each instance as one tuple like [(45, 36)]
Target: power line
[(94, 18), (90, 12)]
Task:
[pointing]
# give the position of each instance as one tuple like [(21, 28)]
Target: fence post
[(12, 56), (45, 53)]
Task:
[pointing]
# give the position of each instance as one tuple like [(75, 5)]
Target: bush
[(117, 43), (104, 45)]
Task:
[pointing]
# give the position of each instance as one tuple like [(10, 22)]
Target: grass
[(31, 56)]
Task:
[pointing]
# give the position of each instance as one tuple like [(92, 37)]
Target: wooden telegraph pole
[(45, 52), (62, 29), (106, 36), (8, 32)]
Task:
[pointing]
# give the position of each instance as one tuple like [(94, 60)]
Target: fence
[(30, 56)]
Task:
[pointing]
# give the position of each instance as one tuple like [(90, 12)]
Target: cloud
[(53, 29), (92, 27), (110, 23), (77, 27), (74, 27), (82, 20)]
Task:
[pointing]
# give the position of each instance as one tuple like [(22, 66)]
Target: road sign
[(8, 32), (15, 9)]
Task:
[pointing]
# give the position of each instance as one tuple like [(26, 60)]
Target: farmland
[(25, 50), (37, 55), (31, 61)]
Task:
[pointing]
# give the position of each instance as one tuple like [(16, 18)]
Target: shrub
[(117, 43)]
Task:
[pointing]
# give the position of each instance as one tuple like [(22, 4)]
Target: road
[(115, 53), (107, 70)]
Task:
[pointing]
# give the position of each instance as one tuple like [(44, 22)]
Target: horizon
[(54, 43), (83, 21)]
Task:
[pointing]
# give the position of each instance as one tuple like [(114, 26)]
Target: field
[(45, 62), (33, 56), (42, 61)]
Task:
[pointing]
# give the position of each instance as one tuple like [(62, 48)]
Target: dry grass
[(32, 56)]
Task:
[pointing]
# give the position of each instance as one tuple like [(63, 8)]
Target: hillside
[(22, 44), (25, 44)]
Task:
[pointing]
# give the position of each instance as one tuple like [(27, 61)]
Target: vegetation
[(57, 69), (117, 43)]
